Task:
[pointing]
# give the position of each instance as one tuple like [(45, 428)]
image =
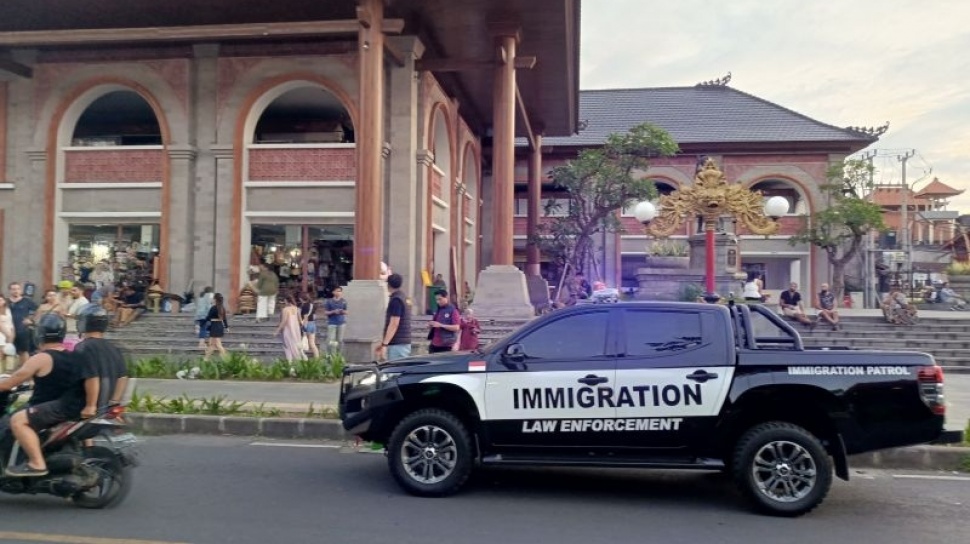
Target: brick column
[(3, 131)]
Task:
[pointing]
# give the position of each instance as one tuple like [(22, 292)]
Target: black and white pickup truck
[(651, 385)]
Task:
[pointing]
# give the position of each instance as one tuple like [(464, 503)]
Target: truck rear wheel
[(782, 469), (430, 453)]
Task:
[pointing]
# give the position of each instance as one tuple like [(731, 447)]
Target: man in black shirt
[(396, 342), (132, 305), (104, 370), (791, 306), (21, 309), (57, 396)]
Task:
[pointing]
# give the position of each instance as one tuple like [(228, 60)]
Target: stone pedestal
[(725, 252), (502, 293), (366, 305)]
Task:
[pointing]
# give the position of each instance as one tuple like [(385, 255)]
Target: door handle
[(702, 376), (592, 379)]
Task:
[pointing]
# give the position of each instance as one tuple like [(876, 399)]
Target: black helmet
[(92, 318), (51, 329)]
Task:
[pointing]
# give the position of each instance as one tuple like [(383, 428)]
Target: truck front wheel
[(782, 469), (430, 453)]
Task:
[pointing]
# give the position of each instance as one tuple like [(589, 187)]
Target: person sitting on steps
[(825, 304), (791, 306)]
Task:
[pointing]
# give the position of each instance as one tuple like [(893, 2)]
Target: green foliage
[(598, 183), (668, 248), (689, 292), (218, 405), (840, 227), (958, 268), (242, 366)]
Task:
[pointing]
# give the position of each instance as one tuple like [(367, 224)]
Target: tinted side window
[(652, 333), (581, 336)]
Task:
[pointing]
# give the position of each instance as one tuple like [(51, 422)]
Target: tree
[(598, 183), (848, 218)]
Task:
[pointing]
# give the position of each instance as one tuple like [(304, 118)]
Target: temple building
[(762, 145)]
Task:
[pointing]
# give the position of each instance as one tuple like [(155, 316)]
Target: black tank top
[(63, 381)]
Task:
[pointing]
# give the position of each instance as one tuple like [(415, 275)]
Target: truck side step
[(601, 460)]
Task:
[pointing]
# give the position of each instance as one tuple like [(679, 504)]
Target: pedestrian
[(444, 326), (289, 330), (8, 350), (202, 305), (336, 310), (21, 309), (752, 288), (882, 276), (825, 304), (396, 342), (78, 301), (218, 326), (105, 371), (267, 287), (308, 321), (791, 306), (470, 330)]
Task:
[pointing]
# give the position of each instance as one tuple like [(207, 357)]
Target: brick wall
[(436, 182), (790, 225), (303, 164), (118, 165)]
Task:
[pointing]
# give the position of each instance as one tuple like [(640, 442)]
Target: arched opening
[(299, 171), (470, 203), (797, 204), (305, 115), (117, 118), (110, 152), (441, 188)]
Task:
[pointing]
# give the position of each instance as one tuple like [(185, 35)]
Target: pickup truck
[(653, 385)]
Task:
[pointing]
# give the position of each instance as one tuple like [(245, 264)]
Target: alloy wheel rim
[(784, 471), (429, 454)]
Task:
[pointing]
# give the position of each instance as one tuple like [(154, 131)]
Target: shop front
[(307, 258), (129, 252)]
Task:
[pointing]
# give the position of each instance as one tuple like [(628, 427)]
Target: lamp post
[(710, 197)]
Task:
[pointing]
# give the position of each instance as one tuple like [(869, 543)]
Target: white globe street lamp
[(776, 207), (645, 212)]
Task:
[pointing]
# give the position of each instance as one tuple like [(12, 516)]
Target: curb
[(948, 458), (268, 427)]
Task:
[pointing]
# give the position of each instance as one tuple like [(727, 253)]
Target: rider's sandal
[(25, 471)]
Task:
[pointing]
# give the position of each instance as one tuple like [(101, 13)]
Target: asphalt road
[(222, 490)]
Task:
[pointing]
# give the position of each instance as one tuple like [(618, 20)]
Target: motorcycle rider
[(105, 372), (58, 393)]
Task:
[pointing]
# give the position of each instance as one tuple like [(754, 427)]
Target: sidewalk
[(296, 397)]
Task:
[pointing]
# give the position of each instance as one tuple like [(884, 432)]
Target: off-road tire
[(790, 437), (416, 425)]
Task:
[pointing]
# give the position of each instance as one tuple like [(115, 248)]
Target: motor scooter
[(90, 477)]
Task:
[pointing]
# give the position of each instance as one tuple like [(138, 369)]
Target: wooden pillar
[(532, 267), (503, 152), (369, 216)]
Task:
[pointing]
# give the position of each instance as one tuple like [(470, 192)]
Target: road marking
[(73, 539), (940, 478), (283, 445)]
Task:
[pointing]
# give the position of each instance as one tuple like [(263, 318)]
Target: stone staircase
[(172, 336)]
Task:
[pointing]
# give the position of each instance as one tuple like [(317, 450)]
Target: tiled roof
[(893, 196), (938, 188), (700, 114)]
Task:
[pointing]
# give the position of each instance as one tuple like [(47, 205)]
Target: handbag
[(304, 343)]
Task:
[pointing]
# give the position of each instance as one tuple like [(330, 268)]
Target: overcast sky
[(842, 62)]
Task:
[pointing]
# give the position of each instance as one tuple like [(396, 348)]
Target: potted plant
[(667, 254)]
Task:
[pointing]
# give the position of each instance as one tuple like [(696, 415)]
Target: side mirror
[(515, 353)]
